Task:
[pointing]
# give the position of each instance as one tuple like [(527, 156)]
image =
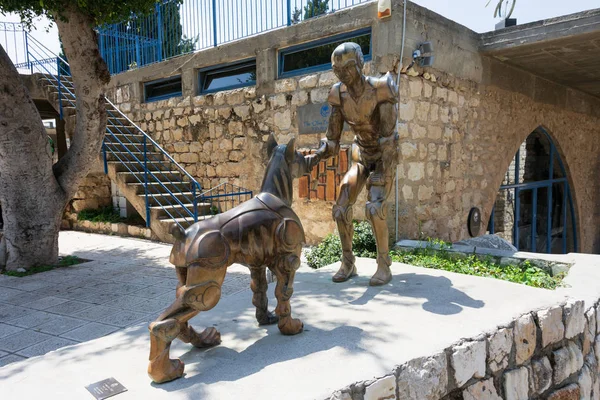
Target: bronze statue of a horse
[(261, 232)]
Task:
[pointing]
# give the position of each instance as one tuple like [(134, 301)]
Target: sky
[(470, 13)]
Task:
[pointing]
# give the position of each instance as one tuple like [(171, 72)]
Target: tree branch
[(90, 78)]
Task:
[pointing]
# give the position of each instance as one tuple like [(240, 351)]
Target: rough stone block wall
[(461, 123), (93, 193), (546, 354)]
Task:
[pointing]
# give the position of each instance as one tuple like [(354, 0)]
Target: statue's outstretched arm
[(331, 145)]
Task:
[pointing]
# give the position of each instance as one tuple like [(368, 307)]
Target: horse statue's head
[(285, 164)]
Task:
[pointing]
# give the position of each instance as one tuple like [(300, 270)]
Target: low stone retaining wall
[(548, 354), (109, 228)]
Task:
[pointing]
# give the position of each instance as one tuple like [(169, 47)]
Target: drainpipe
[(398, 113)]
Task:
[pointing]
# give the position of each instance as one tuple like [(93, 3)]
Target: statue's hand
[(313, 159)]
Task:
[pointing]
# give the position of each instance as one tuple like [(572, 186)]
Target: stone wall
[(94, 192), (548, 354), (461, 123)]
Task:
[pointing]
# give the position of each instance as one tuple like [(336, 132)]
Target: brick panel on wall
[(323, 182)]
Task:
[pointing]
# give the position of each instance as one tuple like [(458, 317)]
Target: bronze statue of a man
[(368, 105)]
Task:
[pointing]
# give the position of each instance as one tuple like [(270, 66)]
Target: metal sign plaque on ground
[(106, 388)]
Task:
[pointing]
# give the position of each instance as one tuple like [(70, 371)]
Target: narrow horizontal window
[(226, 77), (162, 88), (316, 56)]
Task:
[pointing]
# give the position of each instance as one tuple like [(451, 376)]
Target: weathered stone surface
[(516, 384), (598, 318), (285, 85), (597, 352), (283, 120), (500, 346), (574, 318), (424, 378), (570, 392), (540, 375), (484, 390), (567, 361), (308, 82), (407, 111), (589, 331), (416, 171), (339, 395), (596, 389), (489, 242), (585, 383), (381, 389), (468, 361), (551, 324), (525, 335)]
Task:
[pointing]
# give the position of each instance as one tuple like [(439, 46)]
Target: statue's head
[(347, 62)]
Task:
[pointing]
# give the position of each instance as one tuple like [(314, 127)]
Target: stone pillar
[(266, 71)]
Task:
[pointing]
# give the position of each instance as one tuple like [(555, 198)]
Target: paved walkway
[(126, 282)]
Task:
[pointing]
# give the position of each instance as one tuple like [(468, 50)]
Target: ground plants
[(434, 255), (108, 214), (65, 261)]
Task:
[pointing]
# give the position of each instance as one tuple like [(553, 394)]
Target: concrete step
[(161, 187), (121, 139), (117, 153), (177, 211), (166, 199), (134, 166), (163, 176), (184, 222)]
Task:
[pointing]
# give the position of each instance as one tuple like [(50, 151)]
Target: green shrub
[(434, 255), (65, 261), (330, 249), (104, 214)]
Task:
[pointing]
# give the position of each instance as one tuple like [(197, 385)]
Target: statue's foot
[(161, 372), (347, 269), (344, 274), (267, 318), (208, 338), (383, 275), (290, 326)]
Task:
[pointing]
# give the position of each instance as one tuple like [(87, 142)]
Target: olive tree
[(33, 191)]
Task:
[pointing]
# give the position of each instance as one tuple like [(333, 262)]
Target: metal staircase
[(160, 189)]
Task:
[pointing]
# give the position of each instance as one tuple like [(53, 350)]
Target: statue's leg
[(207, 338), (376, 212), (259, 287), (350, 187), (201, 292), (285, 269)]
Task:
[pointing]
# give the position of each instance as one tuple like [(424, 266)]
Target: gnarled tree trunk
[(33, 192)]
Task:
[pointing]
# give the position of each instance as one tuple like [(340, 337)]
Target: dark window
[(162, 89), (218, 78), (316, 56)]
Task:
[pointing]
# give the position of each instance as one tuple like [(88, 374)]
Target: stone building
[(532, 87)]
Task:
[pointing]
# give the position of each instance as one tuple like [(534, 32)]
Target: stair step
[(163, 176), (176, 210), (184, 222), (134, 166), (123, 139), (122, 155), (161, 187), (168, 198)]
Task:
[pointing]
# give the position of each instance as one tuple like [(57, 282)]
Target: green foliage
[(65, 261), (99, 11), (214, 210), (312, 8), (104, 214), (330, 249), (435, 255), (108, 214)]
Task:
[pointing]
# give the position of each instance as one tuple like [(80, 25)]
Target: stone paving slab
[(126, 282)]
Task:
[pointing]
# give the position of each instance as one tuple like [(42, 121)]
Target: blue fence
[(179, 27)]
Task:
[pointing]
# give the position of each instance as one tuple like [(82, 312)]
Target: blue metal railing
[(167, 186), (179, 27), (224, 197)]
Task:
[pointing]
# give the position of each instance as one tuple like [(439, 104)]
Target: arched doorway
[(534, 206)]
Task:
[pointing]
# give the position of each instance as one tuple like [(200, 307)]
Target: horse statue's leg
[(285, 269), (209, 337), (201, 292), (259, 287)]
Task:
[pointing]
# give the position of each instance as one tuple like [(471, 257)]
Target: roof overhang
[(565, 50)]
